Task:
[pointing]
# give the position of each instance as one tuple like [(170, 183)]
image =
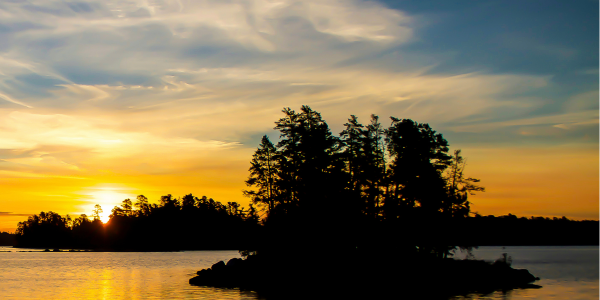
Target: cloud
[(9, 99), (67, 146), (563, 121), (587, 101), (184, 70), (10, 214), (143, 60), (99, 43)]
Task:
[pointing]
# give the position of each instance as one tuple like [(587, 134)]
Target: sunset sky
[(105, 100)]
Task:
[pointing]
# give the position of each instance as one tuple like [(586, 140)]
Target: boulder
[(234, 262), (203, 272), (522, 276), (218, 267)]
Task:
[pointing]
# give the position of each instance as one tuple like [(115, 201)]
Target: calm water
[(569, 272), (566, 272), (109, 275)]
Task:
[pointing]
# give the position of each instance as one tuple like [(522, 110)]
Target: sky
[(105, 100)]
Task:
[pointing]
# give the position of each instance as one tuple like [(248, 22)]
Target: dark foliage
[(398, 184), (510, 230), (7, 239), (174, 224)]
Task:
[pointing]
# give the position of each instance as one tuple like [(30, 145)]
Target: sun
[(107, 198)]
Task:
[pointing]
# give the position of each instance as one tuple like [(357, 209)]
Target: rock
[(234, 262), (221, 274), (203, 272), (218, 267), (522, 276)]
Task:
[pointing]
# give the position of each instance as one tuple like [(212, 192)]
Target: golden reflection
[(107, 282)]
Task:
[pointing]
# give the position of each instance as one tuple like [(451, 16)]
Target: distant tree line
[(86, 233), (172, 224), (510, 230), (7, 239)]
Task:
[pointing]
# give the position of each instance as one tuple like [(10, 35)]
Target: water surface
[(109, 275), (566, 273)]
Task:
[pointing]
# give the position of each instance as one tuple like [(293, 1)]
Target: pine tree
[(459, 187), (263, 175), (419, 157), (311, 169)]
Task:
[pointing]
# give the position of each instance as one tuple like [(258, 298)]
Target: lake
[(566, 273)]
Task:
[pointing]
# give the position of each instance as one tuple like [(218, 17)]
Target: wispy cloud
[(10, 214)]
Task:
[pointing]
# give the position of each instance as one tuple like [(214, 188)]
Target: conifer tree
[(459, 187), (419, 157), (311, 170), (263, 175)]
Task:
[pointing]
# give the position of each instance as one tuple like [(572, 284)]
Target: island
[(371, 212)]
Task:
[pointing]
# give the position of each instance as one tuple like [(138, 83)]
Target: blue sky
[(90, 88)]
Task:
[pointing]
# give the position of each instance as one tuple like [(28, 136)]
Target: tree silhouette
[(311, 171), (263, 175), (459, 187), (375, 166), (48, 229), (419, 158), (188, 201), (365, 164), (127, 207), (347, 186), (97, 211), (142, 205)]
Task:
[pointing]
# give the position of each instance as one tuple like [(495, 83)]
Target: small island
[(372, 212)]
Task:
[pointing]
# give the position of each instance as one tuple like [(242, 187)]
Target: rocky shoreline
[(423, 277)]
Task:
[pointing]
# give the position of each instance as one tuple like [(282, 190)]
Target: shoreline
[(18, 249)]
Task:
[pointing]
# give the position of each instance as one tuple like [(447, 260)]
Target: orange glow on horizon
[(551, 181)]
